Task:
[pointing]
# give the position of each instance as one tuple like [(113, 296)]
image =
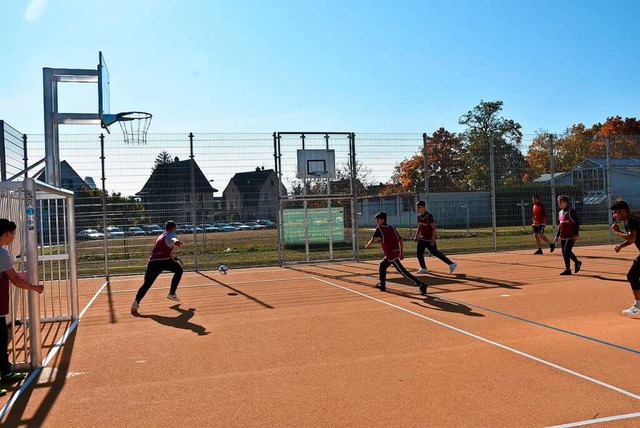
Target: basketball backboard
[(104, 108), (316, 163)]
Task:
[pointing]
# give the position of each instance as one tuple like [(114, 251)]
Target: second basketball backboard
[(104, 107)]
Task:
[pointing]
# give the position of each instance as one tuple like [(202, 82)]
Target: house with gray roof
[(167, 194), (252, 195)]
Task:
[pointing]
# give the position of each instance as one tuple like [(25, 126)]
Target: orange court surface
[(502, 342)]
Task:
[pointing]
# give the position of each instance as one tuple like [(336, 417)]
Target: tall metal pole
[(35, 339), (104, 210), (193, 203), (280, 225), (609, 187), (24, 157), (492, 167), (552, 156), (354, 197), (426, 168)]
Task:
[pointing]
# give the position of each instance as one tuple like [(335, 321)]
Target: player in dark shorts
[(568, 229), (631, 223), (391, 242), (539, 222), (426, 239)]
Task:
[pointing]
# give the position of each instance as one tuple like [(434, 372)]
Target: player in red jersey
[(568, 229), (539, 222), (426, 239), (392, 247), (631, 223), (161, 259)]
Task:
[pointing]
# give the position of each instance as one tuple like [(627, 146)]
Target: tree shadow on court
[(438, 304), (52, 380), (604, 278), (181, 321)]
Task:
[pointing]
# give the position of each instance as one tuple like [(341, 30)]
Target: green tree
[(445, 165), (486, 126), (163, 158)]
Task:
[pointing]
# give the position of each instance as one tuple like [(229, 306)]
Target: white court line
[(597, 421), (491, 342), (49, 356)]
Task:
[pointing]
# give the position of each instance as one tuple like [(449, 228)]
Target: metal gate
[(44, 248), (317, 218)]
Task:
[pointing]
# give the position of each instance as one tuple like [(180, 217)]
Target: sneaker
[(423, 288), (452, 267), (381, 287), (134, 307), (552, 247), (578, 266), (538, 251), (173, 297), (422, 270), (565, 272), (633, 310), (13, 377)]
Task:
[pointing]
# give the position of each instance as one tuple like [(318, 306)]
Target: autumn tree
[(444, 164), (486, 127), (538, 158), (623, 134), (576, 145)]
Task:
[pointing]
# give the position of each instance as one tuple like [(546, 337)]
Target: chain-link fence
[(222, 190)]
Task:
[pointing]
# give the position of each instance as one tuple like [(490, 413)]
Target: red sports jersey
[(539, 214), (390, 240), (161, 251), (425, 230), (568, 223)]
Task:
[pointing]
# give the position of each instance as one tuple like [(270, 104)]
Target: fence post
[(554, 213), (492, 167), (35, 340), (193, 202), (104, 210), (609, 188), (354, 200), (24, 157), (278, 169), (426, 169)]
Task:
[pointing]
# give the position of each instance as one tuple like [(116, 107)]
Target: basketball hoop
[(134, 125)]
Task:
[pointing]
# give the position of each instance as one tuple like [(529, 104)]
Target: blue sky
[(363, 66)]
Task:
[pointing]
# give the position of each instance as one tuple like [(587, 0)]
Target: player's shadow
[(180, 321), (447, 306)]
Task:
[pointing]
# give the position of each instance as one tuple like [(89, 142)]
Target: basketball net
[(134, 125)]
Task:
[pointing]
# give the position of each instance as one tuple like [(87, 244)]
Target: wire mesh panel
[(223, 189), (12, 208), (318, 200)]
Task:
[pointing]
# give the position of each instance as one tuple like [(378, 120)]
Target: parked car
[(209, 228), (89, 235), (152, 229), (254, 225), (188, 228), (135, 231), (114, 232), (225, 227), (267, 223), (180, 229), (240, 226)]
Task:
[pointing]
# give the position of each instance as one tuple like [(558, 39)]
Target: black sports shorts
[(538, 228)]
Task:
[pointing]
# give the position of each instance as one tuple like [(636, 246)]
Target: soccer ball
[(223, 269)]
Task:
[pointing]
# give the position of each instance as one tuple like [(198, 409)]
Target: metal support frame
[(305, 198), (53, 118)]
